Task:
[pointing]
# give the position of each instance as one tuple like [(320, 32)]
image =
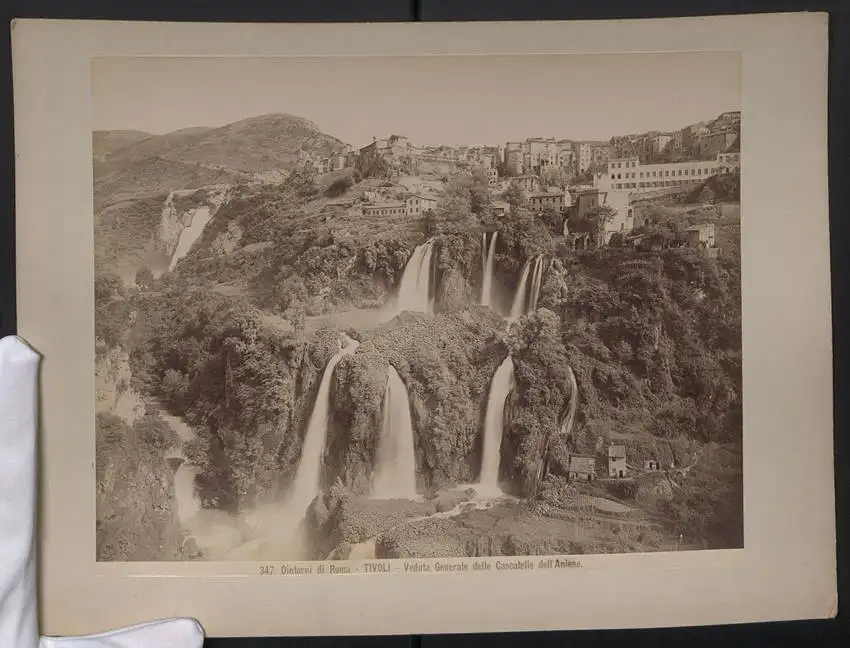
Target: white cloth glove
[(168, 633), (18, 613)]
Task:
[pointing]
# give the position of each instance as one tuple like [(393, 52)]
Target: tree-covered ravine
[(207, 376)]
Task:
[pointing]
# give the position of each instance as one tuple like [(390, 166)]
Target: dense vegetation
[(653, 338), (135, 518)]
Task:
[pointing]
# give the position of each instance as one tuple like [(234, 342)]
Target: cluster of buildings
[(630, 162), (613, 465), (646, 145), (703, 141), (624, 166), (537, 154), (699, 237)]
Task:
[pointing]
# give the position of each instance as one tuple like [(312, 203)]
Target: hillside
[(104, 143), (134, 172), (259, 144), (251, 145)]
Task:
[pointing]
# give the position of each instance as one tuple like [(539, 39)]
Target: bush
[(339, 187)]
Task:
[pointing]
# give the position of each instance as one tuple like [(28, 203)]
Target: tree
[(106, 285), (373, 167), (616, 240), (144, 278), (553, 219), (453, 213), (339, 186), (597, 218), (514, 196), (154, 432), (473, 190)]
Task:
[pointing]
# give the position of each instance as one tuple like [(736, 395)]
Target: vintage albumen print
[(417, 307)]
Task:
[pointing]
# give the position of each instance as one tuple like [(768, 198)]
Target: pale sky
[(432, 100)]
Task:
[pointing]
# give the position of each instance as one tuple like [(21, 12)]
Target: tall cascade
[(414, 290), (395, 472), (488, 254), (190, 234), (494, 420), (536, 284), (567, 424), (528, 288), (307, 482)]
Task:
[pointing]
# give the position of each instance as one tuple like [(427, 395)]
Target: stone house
[(387, 208), (500, 207), (616, 461), (419, 204), (582, 468), (700, 235), (541, 199)]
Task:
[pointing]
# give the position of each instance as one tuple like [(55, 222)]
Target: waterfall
[(487, 255), (569, 419), (185, 495), (518, 306), (190, 234), (395, 472), (414, 290), (528, 288), (494, 419), (536, 283), (307, 482)]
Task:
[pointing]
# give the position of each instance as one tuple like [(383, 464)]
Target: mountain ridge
[(130, 164)]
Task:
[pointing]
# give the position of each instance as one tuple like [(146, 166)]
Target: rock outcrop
[(113, 385), (446, 363)]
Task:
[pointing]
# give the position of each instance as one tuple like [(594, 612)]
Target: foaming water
[(536, 284), (518, 305), (395, 471), (528, 289), (275, 531), (414, 290), (307, 483), (190, 234), (494, 421), (488, 254)]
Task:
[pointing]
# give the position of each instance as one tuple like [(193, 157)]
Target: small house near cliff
[(652, 465), (582, 468), (500, 208), (616, 461)]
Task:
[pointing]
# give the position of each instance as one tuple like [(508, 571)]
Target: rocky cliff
[(446, 364), (135, 503)]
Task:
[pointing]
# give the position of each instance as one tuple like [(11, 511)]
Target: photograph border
[(51, 60)]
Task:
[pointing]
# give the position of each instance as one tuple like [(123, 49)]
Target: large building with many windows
[(629, 174)]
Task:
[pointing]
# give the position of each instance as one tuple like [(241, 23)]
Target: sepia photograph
[(417, 307)]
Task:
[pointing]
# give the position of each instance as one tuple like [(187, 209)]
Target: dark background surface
[(834, 632)]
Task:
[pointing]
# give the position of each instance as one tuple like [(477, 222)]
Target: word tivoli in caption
[(418, 566)]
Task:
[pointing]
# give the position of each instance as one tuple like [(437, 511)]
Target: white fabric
[(168, 633), (18, 615)]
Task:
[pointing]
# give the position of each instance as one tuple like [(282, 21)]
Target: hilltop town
[(570, 179)]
